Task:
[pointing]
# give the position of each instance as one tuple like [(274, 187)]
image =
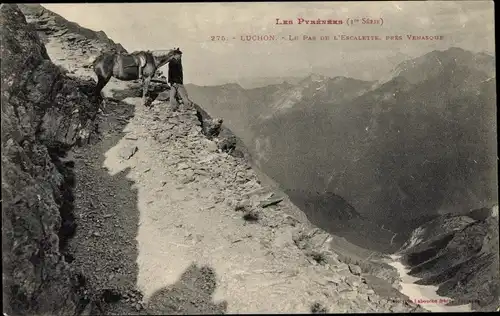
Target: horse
[(128, 67)]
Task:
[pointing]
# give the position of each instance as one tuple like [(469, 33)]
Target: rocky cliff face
[(44, 112)]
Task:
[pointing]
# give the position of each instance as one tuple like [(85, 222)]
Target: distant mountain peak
[(315, 77), (340, 77), (231, 85), (431, 64)]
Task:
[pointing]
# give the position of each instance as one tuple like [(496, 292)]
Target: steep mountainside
[(403, 150), (44, 113), (162, 219), (460, 254), (334, 214)]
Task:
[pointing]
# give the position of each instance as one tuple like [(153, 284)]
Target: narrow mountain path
[(186, 200), (161, 209)]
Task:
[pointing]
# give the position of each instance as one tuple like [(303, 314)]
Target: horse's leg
[(103, 70), (140, 73), (142, 62), (145, 88), (101, 83), (147, 73)]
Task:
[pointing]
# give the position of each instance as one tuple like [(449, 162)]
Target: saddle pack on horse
[(136, 59)]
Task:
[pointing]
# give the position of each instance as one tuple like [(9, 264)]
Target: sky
[(141, 26)]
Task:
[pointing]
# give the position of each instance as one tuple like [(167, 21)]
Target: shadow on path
[(192, 294), (105, 247)]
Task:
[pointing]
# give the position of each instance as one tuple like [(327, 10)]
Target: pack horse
[(126, 67)]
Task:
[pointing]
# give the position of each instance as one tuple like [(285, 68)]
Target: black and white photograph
[(249, 158)]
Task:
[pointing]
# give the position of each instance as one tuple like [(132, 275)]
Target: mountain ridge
[(372, 113), (47, 22)]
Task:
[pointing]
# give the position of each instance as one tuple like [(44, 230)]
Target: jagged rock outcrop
[(459, 254), (226, 140), (44, 112)]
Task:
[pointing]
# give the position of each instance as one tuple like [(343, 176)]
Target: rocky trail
[(161, 207), (167, 223)]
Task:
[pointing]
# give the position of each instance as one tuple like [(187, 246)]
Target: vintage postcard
[(249, 157)]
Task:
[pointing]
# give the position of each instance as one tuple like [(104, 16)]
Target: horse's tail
[(93, 60)]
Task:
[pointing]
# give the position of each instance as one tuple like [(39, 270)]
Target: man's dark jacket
[(175, 72)]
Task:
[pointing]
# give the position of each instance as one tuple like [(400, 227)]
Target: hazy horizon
[(466, 24)]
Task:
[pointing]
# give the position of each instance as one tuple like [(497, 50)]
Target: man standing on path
[(175, 79)]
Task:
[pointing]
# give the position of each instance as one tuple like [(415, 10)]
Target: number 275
[(217, 38)]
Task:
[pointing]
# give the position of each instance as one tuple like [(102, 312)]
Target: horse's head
[(162, 57)]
